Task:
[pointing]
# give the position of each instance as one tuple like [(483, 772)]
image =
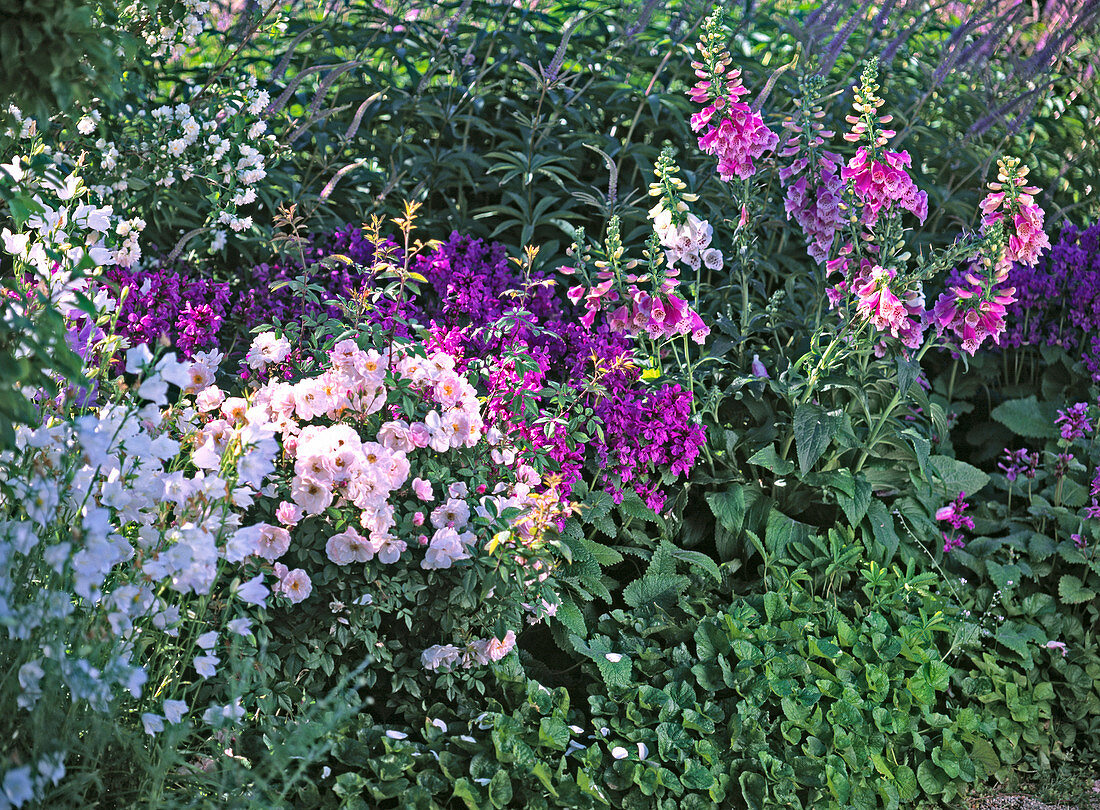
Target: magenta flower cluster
[(740, 135), (1015, 463), (646, 430), (973, 310), (166, 302), (1074, 422), (882, 185), (954, 515), (814, 203)]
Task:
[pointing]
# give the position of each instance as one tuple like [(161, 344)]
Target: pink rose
[(423, 489)]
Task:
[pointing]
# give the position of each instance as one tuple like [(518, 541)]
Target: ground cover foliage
[(548, 404)]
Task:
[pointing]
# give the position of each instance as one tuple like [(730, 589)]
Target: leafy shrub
[(790, 698)]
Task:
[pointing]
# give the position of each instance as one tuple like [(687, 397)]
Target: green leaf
[(906, 781), (553, 733), (930, 778), (1016, 635), (696, 777), (728, 507), (753, 788), (500, 789), (1073, 591), (768, 459), (814, 429), (1028, 417), (908, 370), (697, 559), (958, 476), (882, 527), (855, 507), (571, 617), (781, 531), (1002, 575)]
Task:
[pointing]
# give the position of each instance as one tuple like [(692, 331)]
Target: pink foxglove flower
[(902, 317), (883, 186), (732, 131), (973, 312)]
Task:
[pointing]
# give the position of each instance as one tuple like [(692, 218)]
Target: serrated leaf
[(856, 506), (814, 429), (1027, 417), (728, 507), (908, 371), (958, 476), (1073, 591), (767, 458), (699, 560), (882, 527)]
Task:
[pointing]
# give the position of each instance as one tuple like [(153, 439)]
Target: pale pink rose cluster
[(267, 348), (480, 652)]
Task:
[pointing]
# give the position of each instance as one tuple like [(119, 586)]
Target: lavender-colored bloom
[(1074, 422), (1019, 462), (1058, 300)]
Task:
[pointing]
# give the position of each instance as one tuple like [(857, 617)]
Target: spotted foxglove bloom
[(884, 185)]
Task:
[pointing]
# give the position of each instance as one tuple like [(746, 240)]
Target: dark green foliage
[(58, 53), (788, 699)]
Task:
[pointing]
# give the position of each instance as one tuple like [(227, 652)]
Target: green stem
[(877, 428)]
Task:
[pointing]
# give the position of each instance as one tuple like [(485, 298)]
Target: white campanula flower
[(217, 715), (253, 591), (241, 626), (207, 640), (174, 710), (18, 786), (30, 678), (153, 723), (206, 665), (51, 768)]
